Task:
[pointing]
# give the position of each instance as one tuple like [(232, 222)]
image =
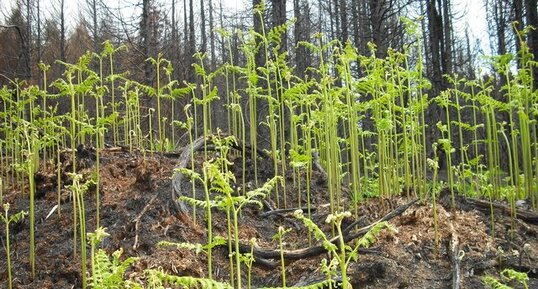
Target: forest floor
[(137, 187)]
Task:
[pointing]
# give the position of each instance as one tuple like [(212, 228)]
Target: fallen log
[(485, 206)]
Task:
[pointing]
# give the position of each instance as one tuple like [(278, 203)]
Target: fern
[(109, 273), (319, 285), (371, 236), (196, 247), (507, 275), (313, 228), (158, 276), (493, 283), (521, 277)]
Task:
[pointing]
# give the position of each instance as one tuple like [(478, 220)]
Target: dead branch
[(396, 212), (177, 178), (138, 218), (260, 253), (284, 211), (485, 206), (454, 256)]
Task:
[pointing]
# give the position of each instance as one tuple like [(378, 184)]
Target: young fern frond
[(319, 285), (371, 236), (493, 283), (107, 273), (187, 281), (313, 228), (198, 203), (195, 247)]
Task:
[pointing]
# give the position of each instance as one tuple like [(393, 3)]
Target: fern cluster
[(108, 273)]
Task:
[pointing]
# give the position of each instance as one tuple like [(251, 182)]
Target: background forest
[(31, 34), (178, 29)]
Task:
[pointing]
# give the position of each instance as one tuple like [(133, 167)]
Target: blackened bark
[(301, 32), (435, 36), (38, 35), (145, 35), (212, 36), (191, 43), (203, 35), (62, 30), (279, 18), (518, 18), (94, 28), (344, 35), (447, 52), (257, 20), (337, 27), (28, 50)]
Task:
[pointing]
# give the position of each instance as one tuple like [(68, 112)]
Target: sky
[(472, 13)]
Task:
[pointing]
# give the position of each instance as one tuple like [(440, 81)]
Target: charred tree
[(203, 35), (145, 32), (279, 18), (191, 44), (301, 32)]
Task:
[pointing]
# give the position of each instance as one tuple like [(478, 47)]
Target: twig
[(139, 217), (396, 212), (283, 211)]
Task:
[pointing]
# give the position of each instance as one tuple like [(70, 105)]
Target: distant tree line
[(179, 29)]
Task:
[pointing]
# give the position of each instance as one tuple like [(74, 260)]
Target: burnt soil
[(139, 185)]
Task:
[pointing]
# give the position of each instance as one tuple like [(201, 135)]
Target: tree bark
[(448, 56), (517, 7), (94, 30), (344, 36), (28, 50), (38, 35), (62, 30), (212, 36), (301, 32), (146, 38), (192, 43), (279, 18), (203, 35), (435, 36), (260, 57)]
